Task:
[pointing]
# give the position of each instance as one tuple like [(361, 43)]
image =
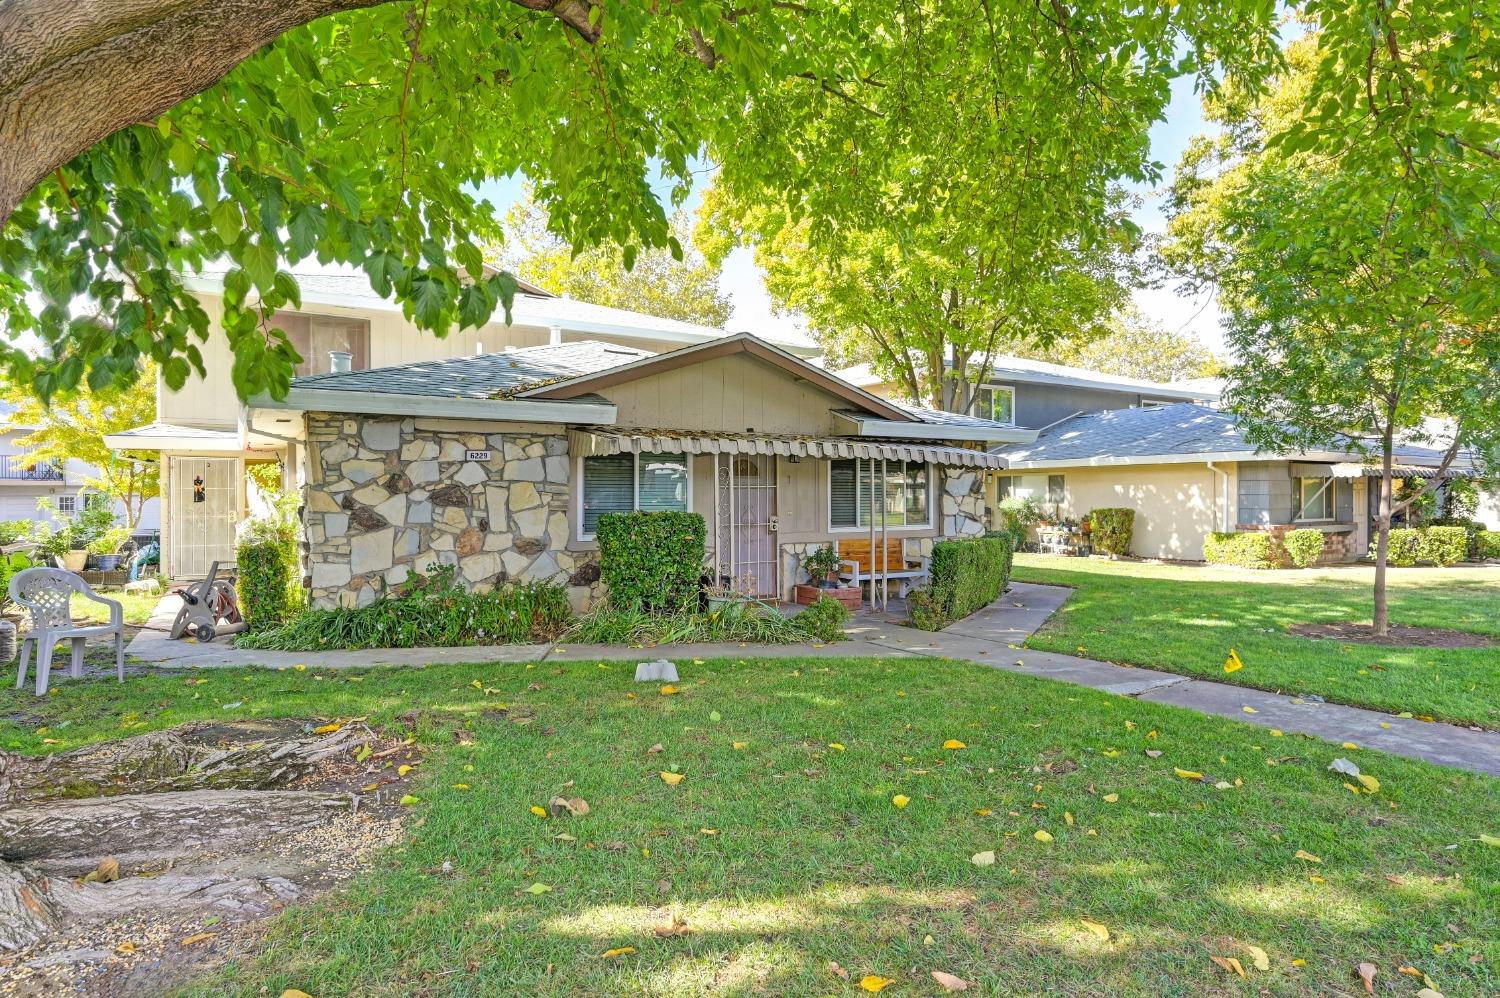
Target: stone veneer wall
[(963, 503), (385, 496)]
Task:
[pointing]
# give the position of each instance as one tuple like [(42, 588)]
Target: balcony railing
[(21, 468)]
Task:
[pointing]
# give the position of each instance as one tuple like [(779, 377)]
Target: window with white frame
[(996, 402), (1315, 497), (902, 500), (1042, 488), (624, 483), (67, 505)]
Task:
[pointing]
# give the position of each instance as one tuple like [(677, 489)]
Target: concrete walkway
[(991, 637)]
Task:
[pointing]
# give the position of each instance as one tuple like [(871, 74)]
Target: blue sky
[(1196, 316)]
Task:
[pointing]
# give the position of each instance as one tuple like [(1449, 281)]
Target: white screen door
[(754, 510), (202, 530)]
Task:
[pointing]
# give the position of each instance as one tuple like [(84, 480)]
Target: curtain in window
[(903, 498), (663, 482), (608, 487)]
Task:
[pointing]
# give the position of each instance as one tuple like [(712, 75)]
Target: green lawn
[(1185, 619), (783, 854)]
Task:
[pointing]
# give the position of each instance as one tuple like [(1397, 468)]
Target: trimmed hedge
[(1472, 530), (651, 561), (1304, 546), (1489, 544), (1406, 546), (1443, 545), (265, 585), (966, 575), (1112, 529), (1247, 550)]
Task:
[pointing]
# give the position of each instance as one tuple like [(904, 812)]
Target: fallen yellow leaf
[(836, 746), (986, 858), (900, 800), (948, 982), (668, 690), (1249, 710), (954, 743), (1188, 774), (1309, 857), (126, 948), (737, 745), (408, 800), (1259, 958), (294, 993), (617, 951), (1229, 964), (982, 812), (1042, 835), (327, 729), (538, 888), (1368, 782), (1111, 798), (1276, 733), (1490, 840), (670, 779), (402, 770), (539, 811), (874, 984), (197, 937), (1233, 663), (1350, 745), (1097, 928)]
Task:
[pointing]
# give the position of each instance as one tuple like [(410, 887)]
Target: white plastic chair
[(47, 593)]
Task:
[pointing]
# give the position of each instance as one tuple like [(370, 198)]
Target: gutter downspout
[(1224, 478)]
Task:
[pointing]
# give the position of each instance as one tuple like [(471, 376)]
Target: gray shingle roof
[(1180, 430), (936, 417), (483, 376)]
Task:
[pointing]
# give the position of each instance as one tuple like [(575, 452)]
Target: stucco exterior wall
[(1176, 505)]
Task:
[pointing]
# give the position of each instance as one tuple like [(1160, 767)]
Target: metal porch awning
[(1353, 470), (606, 441)]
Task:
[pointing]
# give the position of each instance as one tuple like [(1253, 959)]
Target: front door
[(205, 509), (754, 541)]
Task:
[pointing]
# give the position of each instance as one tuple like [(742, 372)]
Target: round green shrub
[(1405, 549), (1443, 545), (1112, 530), (824, 620), (1304, 546)]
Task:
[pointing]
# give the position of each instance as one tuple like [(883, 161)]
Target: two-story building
[(496, 450)]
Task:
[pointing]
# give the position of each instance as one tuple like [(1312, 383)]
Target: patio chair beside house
[(47, 594)]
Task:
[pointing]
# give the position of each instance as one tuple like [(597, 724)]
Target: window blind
[(663, 480), (608, 487)]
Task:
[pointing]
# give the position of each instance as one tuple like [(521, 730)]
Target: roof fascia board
[(999, 379), (118, 441), (738, 343), (1108, 461), (394, 404), (936, 431)]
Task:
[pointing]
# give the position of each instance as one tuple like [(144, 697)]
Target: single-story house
[(501, 464), (1188, 470)]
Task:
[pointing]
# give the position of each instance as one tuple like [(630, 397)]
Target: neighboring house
[(1188, 470), (496, 450), (24, 480)]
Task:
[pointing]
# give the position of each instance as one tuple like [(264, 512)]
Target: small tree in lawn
[(1359, 313), (74, 426)]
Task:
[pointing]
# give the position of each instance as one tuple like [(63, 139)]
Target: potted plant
[(822, 567), (105, 548)]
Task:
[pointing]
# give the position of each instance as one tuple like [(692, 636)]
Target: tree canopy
[(1359, 302), (685, 288), (144, 143), (1133, 346)]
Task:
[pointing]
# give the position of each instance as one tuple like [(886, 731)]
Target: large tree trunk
[(251, 755), (141, 828), (28, 909)]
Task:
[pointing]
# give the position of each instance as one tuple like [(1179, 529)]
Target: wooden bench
[(859, 563)]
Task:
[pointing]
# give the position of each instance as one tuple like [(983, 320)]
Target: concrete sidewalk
[(991, 637)]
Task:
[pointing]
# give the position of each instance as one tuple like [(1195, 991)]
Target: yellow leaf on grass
[(1110, 753), (1233, 663), (327, 729), (900, 800), (982, 812), (948, 982), (460, 786), (1068, 818), (539, 811), (1188, 774), (402, 770), (1350, 745), (986, 858), (538, 888), (737, 745), (1490, 840), (668, 691), (617, 951), (1299, 962), (708, 831), (670, 779), (1316, 879), (836, 746), (1277, 733), (1229, 964), (1111, 798), (874, 984), (1368, 782), (1259, 958), (409, 800), (294, 993), (954, 743), (1305, 855), (1097, 928), (1042, 835)]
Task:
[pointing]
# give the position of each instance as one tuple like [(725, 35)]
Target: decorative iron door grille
[(745, 523)]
